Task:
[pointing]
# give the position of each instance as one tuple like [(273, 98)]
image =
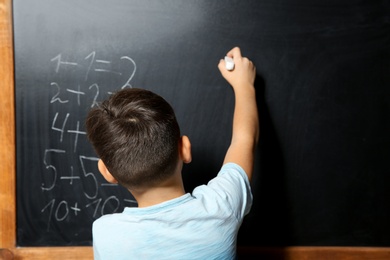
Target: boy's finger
[(234, 53)]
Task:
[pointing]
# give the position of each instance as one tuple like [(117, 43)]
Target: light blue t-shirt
[(202, 225)]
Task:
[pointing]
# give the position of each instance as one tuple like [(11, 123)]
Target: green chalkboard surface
[(322, 165)]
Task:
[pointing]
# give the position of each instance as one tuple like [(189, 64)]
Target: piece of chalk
[(229, 63)]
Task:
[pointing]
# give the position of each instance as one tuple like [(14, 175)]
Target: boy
[(137, 137)]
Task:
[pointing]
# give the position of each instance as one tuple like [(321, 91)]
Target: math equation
[(71, 182)]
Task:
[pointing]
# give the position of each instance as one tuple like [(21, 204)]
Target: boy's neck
[(158, 195), (167, 190)]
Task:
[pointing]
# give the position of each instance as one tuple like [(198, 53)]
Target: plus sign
[(75, 209)]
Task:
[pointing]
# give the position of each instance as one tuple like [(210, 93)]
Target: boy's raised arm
[(245, 133)]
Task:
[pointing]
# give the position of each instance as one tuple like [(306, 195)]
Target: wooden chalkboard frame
[(8, 183)]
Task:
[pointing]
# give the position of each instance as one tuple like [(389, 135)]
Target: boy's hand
[(244, 71)]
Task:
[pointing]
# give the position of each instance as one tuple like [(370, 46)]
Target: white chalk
[(229, 62)]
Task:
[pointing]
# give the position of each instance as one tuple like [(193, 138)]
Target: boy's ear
[(105, 172), (185, 149)]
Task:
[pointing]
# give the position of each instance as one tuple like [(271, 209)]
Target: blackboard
[(322, 164)]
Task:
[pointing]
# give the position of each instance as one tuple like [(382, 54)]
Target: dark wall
[(322, 165)]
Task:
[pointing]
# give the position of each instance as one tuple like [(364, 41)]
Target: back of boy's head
[(136, 134)]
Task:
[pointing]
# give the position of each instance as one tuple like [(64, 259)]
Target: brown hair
[(136, 134)]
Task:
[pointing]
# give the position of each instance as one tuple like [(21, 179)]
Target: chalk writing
[(67, 162)]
